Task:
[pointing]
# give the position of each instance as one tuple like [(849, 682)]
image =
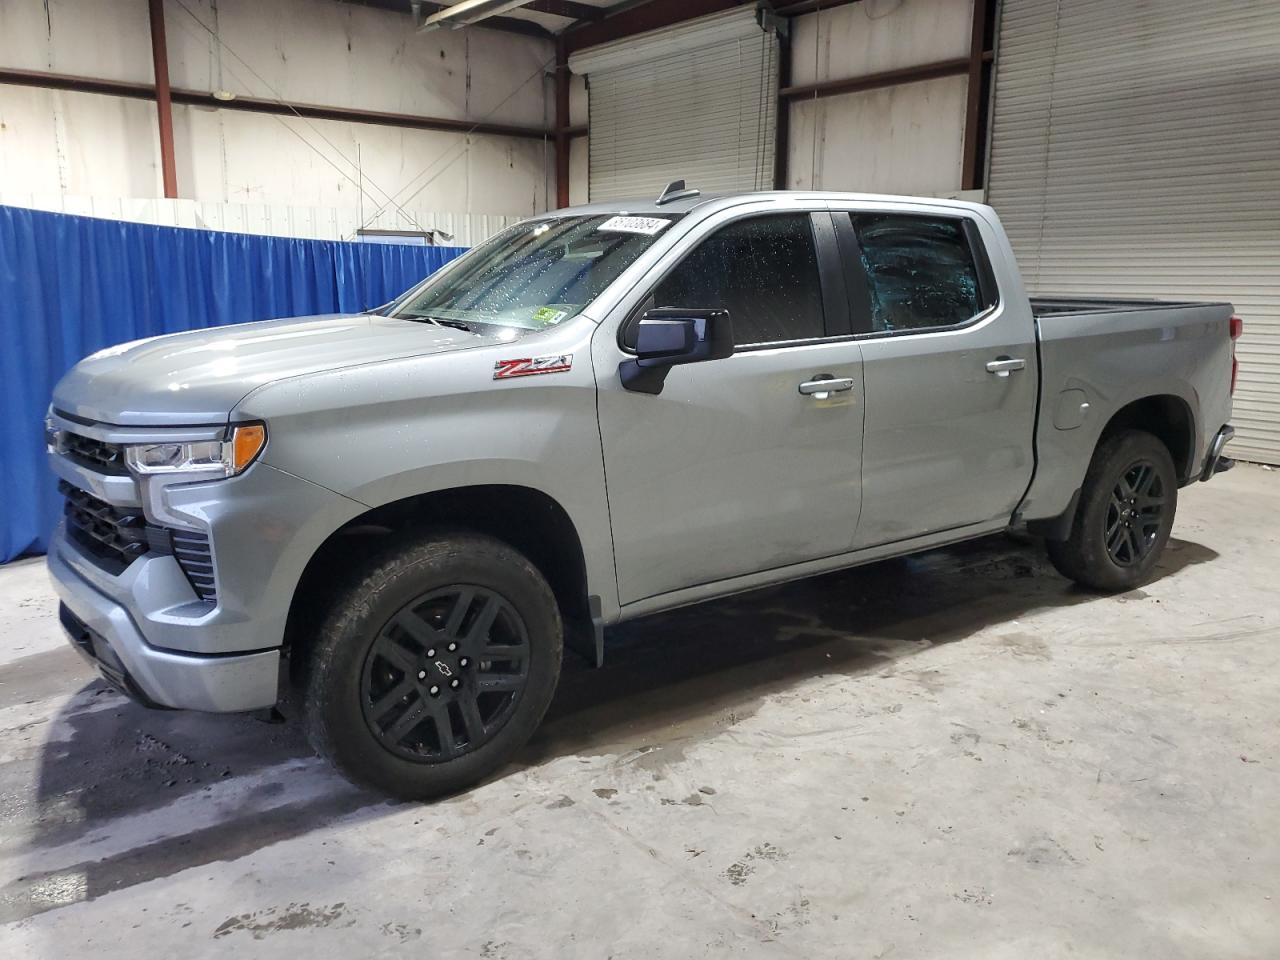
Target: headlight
[(210, 458)]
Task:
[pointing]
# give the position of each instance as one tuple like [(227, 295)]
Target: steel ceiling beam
[(475, 12), (568, 9), (873, 81), (653, 15), (144, 91), (502, 24)]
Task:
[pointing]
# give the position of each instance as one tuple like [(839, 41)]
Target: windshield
[(535, 274)]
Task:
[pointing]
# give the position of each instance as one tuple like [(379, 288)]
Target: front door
[(739, 465)]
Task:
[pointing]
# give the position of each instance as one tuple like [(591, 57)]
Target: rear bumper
[(1214, 461), (103, 632)]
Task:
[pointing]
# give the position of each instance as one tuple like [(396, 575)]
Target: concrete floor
[(959, 755)]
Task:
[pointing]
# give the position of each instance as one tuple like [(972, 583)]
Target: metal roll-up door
[(1135, 151), (697, 101)]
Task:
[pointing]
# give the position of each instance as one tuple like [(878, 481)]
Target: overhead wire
[(279, 99), (465, 145)]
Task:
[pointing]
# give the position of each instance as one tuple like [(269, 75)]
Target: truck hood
[(199, 376)]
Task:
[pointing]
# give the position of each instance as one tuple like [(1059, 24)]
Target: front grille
[(195, 556), (112, 537), (93, 454)]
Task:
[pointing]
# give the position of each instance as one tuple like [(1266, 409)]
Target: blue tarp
[(72, 285)]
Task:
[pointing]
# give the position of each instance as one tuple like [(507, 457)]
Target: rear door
[(732, 469), (949, 368)]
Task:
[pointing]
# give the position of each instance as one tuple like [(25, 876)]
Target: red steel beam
[(973, 103), (144, 91), (810, 6), (164, 103), (872, 81), (76, 84), (782, 121), (562, 123)]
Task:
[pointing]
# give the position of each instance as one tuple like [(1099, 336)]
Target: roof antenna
[(673, 191)]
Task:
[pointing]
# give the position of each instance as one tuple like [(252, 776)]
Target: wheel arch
[(526, 519), (1169, 418)]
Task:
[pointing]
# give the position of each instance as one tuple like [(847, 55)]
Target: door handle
[(1003, 366), (822, 386)]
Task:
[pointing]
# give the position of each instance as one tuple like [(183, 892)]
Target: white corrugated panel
[(696, 102), (1135, 150), (279, 220)]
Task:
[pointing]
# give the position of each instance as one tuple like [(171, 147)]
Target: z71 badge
[(532, 366)]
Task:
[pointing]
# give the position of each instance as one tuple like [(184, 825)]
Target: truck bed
[(1097, 355), (1077, 306)]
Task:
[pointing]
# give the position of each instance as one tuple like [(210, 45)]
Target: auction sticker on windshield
[(649, 226), (548, 316)]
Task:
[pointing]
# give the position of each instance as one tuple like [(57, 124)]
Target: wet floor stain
[(96, 763), (295, 916), (740, 871)]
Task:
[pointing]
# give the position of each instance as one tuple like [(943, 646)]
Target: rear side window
[(763, 270), (920, 271)]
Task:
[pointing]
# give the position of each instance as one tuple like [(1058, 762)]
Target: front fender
[(385, 432)]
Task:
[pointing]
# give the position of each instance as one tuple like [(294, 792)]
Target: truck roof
[(652, 205)]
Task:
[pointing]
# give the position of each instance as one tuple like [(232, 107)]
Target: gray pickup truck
[(402, 517)]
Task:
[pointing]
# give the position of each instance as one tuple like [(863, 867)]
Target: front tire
[(1125, 515), (435, 668)]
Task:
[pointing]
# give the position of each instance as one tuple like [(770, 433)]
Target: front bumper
[(191, 612), (102, 631)]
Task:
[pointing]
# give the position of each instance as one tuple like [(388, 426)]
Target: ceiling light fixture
[(466, 12)]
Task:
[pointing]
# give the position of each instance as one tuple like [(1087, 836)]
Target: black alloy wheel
[(1135, 514), (433, 665), (1124, 514), (444, 675)]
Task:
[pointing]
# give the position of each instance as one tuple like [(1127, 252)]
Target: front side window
[(920, 271), (535, 274), (763, 270)]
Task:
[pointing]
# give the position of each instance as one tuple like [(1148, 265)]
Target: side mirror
[(672, 335)]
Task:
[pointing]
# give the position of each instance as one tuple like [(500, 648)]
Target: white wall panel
[(232, 157), (55, 142), (312, 223), (905, 139), (877, 35), (75, 151), (579, 150), (1134, 152), (109, 39), (347, 55), (579, 107)]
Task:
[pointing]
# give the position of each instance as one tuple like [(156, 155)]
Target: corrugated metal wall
[(694, 101), (262, 219), (1136, 151)]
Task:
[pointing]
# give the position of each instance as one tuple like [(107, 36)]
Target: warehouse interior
[(953, 753)]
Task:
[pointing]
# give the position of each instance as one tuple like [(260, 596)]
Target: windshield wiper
[(440, 321)]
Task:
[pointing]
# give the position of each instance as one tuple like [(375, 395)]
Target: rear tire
[(435, 668), (1125, 514)]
